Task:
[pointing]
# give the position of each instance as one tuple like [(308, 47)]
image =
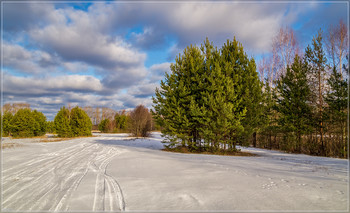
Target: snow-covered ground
[(113, 172)]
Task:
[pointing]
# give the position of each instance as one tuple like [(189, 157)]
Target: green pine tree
[(121, 121), (50, 127), (337, 100), (221, 105), (199, 105), (80, 122), (237, 65), (294, 93), (62, 123), (23, 124), (316, 58), (40, 120), (103, 126), (6, 123), (269, 117), (173, 99)]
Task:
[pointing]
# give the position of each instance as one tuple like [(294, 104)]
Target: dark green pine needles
[(293, 96), (208, 101), (72, 123)]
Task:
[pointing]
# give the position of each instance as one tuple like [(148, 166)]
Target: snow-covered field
[(112, 172)]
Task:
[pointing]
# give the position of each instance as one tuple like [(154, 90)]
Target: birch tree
[(284, 48), (337, 42)]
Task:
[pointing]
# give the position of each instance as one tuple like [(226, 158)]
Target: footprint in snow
[(340, 192), (269, 186)]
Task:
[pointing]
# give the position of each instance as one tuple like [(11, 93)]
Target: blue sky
[(114, 54)]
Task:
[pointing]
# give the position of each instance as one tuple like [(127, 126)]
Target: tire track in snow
[(49, 162), (115, 197), (45, 194), (43, 157), (48, 182), (62, 196), (50, 186), (49, 167), (45, 176), (66, 186), (62, 204), (115, 189)]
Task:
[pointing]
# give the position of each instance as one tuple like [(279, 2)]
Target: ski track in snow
[(48, 181)]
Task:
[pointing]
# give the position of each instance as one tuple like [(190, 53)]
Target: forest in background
[(19, 121)]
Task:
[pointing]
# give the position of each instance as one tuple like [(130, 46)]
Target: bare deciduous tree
[(108, 113), (140, 121), (337, 44), (265, 68), (14, 107), (97, 116), (284, 48), (90, 112)]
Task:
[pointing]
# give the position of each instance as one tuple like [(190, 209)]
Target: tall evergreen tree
[(242, 70), (204, 99), (40, 119), (173, 99), (62, 123), (294, 93), (80, 122), (315, 56), (6, 123), (23, 124), (218, 111), (337, 100), (269, 116)]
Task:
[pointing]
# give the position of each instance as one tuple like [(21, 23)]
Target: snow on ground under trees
[(113, 172)]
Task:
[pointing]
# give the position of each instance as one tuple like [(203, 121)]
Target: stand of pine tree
[(23, 122), (306, 110), (72, 123), (213, 100)]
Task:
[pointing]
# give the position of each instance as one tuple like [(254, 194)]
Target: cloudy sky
[(108, 54)]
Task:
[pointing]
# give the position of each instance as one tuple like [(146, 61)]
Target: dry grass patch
[(47, 140), (9, 145), (219, 152), (34, 137), (55, 139)]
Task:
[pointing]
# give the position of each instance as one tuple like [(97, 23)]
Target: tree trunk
[(299, 142), (321, 110), (254, 139), (344, 141)]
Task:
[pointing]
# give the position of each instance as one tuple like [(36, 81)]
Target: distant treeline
[(295, 100), (18, 120), (139, 122)]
